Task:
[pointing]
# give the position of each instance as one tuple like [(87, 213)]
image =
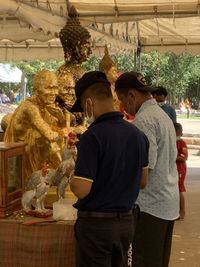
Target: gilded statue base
[(48, 213)]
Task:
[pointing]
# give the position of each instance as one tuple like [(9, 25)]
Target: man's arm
[(144, 179), (80, 186), (86, 165)]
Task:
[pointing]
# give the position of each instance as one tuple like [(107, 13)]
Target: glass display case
[(12, 160)]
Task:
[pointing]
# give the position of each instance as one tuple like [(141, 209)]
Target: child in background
[(181, 165)]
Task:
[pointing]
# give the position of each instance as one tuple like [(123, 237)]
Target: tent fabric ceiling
[(30, 26)]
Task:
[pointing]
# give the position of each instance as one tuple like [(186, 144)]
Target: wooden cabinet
[(12, 160)]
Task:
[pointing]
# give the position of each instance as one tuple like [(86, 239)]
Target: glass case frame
[(12, 164)]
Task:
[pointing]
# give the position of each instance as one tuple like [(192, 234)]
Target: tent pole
[(135, 58), (23, 86), (138, 48)]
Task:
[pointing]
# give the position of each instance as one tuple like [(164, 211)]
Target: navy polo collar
[(107, 116)]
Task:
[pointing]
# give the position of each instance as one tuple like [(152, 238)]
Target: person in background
[(188, 107), (1, 93), (160, 94), (111, 166), (11, 96), (181, 165), (17, 98), (159, 200)]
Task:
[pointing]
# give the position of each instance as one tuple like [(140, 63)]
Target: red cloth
[(47, 245), (127, 116), (181, 165)]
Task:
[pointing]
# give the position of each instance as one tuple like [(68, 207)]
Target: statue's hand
[(54, 147), (56, 112), (54, 136)]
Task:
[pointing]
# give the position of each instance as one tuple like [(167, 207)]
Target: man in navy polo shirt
[(111, 167)]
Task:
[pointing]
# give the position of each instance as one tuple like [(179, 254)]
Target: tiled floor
[(186, 238)]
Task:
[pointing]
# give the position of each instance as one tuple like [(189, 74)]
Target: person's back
[(111, 166), (170, 111), (160, 197), (160, 94), (119, 148)]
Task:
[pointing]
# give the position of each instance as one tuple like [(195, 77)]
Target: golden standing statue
[(108, 66), (40, 124), (75, 40)]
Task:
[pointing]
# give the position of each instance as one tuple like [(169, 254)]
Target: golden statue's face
[(112, 74), (84, 50), (66, 87), (48, 88), (66, 91), (48, 95)]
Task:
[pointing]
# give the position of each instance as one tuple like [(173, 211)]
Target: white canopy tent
[(29, 28), (10, 74)]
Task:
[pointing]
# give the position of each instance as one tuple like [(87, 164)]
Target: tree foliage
[(180, 74)]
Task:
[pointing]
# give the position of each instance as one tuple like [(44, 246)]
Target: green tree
[(180, 74), (92, 64)]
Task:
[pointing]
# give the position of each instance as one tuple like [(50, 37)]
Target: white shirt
[(160, 198)]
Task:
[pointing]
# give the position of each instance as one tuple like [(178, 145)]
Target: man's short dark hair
[(99, 90), (160, 90), (88, 80)]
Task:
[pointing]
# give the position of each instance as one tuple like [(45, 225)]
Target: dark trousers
[(152, 241), (103, 242)]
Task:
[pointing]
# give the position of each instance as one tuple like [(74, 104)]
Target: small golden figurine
[(108, 66), (40, 124)]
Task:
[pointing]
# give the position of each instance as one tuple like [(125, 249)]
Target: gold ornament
[(106, 63), (108, 66)]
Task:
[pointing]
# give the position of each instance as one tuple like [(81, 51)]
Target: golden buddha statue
[(108, 66), (40, 124), (75, 40)]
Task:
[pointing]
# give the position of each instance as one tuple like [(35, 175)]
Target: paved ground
[(186, 238), (190, 127)]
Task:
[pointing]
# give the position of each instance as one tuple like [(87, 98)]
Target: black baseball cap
[(87, 80), (133, 80)]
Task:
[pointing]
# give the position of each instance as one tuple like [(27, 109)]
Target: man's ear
[(89, 103), (131, 94)]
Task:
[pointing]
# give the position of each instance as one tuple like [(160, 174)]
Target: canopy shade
[(9, 74), (29, 27)]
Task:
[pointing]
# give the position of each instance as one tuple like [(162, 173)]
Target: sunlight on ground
[(186, 238)]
